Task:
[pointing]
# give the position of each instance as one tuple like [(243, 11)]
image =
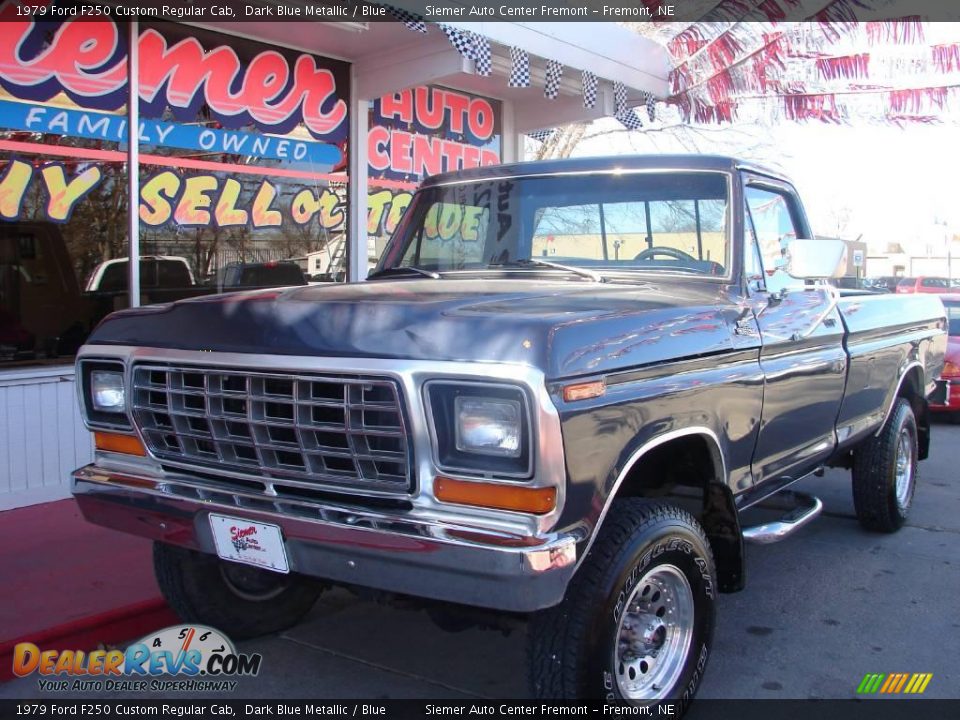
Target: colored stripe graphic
[(870, 683), (894, 683)]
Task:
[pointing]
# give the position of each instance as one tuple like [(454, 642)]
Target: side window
[(772, 224)]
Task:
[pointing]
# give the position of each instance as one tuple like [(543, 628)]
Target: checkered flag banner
[(471, 46), (541, 135), (520, 70), (651, 102), (619, 99), (630, 119), (409, 19), (589, 89), (551, 87)]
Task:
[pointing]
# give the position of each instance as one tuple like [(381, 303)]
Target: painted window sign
[(428, 130), (69, 79), (271, 92)]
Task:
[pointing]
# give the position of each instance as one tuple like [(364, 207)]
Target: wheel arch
[(699, 487), (910, 387)]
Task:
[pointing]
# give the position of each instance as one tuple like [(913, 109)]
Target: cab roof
[(720, 163)]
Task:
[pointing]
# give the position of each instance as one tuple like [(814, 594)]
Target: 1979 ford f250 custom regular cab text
[(556, 395)]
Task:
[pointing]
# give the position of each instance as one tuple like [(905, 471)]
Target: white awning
[(388, 57)]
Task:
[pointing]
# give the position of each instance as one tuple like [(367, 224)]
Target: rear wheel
[(637, 620), (241, 600), (885, 472)]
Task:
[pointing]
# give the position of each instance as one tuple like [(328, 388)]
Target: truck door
[(802, 356)]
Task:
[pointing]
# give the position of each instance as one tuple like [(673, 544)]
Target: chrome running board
[(802, 508)]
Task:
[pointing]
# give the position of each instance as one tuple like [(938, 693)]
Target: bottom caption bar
[(872, 709)]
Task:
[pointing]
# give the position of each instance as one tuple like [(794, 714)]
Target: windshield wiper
[(537, 262), (403, 270)]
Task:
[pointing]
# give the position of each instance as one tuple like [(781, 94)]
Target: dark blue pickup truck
[(555, 396)]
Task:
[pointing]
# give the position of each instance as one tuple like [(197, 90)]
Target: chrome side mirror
[(816, 259)]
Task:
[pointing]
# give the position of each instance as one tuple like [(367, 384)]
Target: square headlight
[(103, 394), (106, 391), (481, 428), (488, 426)]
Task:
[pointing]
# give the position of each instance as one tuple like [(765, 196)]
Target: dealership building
[(267, 153)]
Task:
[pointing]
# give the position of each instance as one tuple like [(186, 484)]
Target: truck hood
[(565, 328)]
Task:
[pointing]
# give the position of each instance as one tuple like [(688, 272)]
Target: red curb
[(106, 628)]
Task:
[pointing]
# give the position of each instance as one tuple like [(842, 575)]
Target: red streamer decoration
[(844, 66), (912, 100), (946, 58), (772, 10), (687, 43), (812, 107), (720, 86), (719, 113), (724, 50), (903, 31)]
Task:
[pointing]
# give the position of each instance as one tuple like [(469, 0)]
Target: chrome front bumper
[(385, 550)]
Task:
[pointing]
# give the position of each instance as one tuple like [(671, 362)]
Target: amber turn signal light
[(125, 444), (584, 391), (499, 497)]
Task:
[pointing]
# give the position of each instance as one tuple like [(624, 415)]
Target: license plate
[(253, 543), (941, 394)]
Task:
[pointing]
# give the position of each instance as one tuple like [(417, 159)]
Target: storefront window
[(243, 165), (63, 188), (242, 171)]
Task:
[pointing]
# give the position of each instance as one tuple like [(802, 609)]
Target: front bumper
[(386, 551)]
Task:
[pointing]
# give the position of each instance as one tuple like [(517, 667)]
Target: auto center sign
[(428, 130), (209, 111)]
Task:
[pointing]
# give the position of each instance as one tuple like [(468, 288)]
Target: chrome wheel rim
[(904, 468), (654, 634)]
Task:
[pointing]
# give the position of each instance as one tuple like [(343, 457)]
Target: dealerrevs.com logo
[(186, 658)]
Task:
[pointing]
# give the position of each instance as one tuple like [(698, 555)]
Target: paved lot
[(820, 610)]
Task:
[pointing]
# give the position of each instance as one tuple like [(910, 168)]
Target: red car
[(946, 398), (924, 285)]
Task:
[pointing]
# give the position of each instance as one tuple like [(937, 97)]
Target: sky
[(887, 183)]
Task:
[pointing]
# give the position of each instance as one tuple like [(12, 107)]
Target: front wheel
[(240, 600), (885, 472), (637, 620)]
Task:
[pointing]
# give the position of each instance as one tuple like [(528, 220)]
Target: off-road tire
[(878, 505), (196, 586), (571, 646)]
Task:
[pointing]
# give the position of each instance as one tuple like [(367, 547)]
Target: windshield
[(655, 222)]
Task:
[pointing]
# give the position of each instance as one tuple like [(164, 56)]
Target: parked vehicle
[(156, 272), (933, 285), (852, 283), (886, 283), (562, 401), (42, 312), (946, 398), (249, 276)]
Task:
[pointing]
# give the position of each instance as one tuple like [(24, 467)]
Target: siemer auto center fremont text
[(543, 11)]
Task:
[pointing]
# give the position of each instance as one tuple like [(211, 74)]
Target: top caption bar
[(654, 11)]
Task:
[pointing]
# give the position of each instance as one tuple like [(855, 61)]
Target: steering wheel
[(670, 252)]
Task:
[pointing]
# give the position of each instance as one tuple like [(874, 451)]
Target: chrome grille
[(302, 430)]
